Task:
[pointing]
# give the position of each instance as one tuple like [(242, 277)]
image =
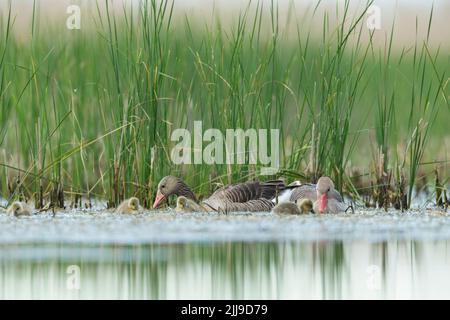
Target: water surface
[(244, 256)]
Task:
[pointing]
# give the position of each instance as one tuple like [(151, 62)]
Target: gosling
[(19, 208), (188, 205), (291, 208), (305, 205), (286, 208), (128, 206)]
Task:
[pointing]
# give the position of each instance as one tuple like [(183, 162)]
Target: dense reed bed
[(89, 113)]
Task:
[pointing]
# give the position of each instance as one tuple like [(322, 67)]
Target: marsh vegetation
[(89, 113)]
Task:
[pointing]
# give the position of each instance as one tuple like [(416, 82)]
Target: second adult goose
[(248, 196), (325, 198)]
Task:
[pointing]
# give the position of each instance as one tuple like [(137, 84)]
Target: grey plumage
[(308, 191), (248, 196)]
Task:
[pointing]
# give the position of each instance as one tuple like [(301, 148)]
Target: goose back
[(248, 196), (257, 205)]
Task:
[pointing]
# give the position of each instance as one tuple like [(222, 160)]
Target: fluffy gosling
[(305, 205), (286, 208), (187, 205), (19, 208), (128, 206), (292, 208)]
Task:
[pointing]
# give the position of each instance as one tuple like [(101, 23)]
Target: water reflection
[(223, 270)]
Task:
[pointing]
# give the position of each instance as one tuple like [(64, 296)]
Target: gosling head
[(324, 188), (16, 208), (181, 203), (133, 203)]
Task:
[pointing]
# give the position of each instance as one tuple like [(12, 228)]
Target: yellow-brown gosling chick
[(188, 205), (302, 206), (128, 206), (305, 205), (286, 208), (19, 208)]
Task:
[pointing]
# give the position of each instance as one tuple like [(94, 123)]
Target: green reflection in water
[(237, 270)]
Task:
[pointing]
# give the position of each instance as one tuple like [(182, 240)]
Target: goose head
[(171, 185), (166, 187), (324, 188)]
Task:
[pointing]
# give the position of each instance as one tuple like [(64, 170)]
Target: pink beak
[(159, 198), (322, 202)]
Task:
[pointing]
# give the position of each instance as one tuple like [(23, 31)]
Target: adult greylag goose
[(323, 195), (248, 196), (19, 208)]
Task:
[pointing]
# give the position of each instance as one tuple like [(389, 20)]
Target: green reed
[(91, 111)]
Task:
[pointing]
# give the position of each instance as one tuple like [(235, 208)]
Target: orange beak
[(159, 198), (322, 202)]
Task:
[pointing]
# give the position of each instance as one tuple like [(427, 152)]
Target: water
[(164, 255)]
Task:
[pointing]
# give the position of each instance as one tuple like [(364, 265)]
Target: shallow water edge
[(166, 255)]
